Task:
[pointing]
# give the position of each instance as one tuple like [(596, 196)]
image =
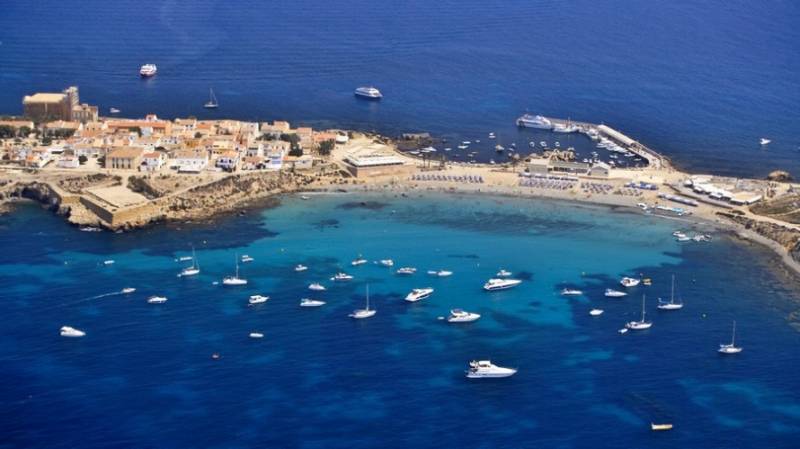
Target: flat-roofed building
[(376, 164)]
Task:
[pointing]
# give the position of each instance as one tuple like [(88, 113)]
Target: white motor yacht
[(300, 267), (641, 324), (596, 312), (571, 292), (256, 335), (157, 300), (366, 312), (316, 286), (235, 279), (71, 332), (108, 262), (611, 293), (368, 92), (503, 273), (485, 368), (340, 277), (128, 290), (565, 128), (671, 305), (440, 273), (257, 299), (419, 294), (406, 270), (462, 316), (308, 302), (386, 262), (500, 284), (730, 348), (359, 261), (764, 141), (246, 258), (630, 282), (148, 70)]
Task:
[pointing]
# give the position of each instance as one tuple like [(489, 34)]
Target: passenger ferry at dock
[(534, 121), (148, 70), (369, 93)]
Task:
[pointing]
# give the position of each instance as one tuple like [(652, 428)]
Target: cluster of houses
[(152, 144)]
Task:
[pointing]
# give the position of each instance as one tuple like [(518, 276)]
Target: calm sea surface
[(700, 81), (144, 377)]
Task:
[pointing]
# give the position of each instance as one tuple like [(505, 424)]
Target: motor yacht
[(71, 332), (764, 141), (641, 324), (440, 273), (246, 258), (419, 294), (128, 290), (500, 284), (730, 348), (257, 299), (386, 262), (300, 267), (114, 111), (108, 262), (565, 128), (406, 270), (256, 335), (157, 300), (534, 121), (368, 92), (317, 287), (148, 70), (340, 277), (596, 312), (308, 302), (358, 261), (462, 316), (366, 312), (630, 282), (571, 292), (611, 293), (485, 368), (503, 274), (660, 427)]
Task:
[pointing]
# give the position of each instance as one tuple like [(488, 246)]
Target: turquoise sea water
[(143, 376)]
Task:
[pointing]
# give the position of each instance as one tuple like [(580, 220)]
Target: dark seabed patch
[(325, 224), (368, 205)]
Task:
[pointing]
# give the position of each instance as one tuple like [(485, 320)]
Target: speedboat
[(317, 287), (157, 300), (730, 348), (258, 299), (108, 262), (641, 324), (440, 273), (630, 282), (462, 316), (234, 280), (534, 121), (671, 305), (366, 312), (485, 368), (503, 274), (571, 292), (148, 70), (660, 427), (764, 141), (246, 258), (300, 267), (359, 261), (624, 330), (500, 284), (114, 111), (368, 92), (419, 294), (611, 293), (386, 262), (596, 312), (406, 270), (307, 302), (256, 335), (71, 332), (342, 277), (128, 290)]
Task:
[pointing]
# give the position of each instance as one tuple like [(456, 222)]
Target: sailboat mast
[(733, 336), (672, 295), (237, 265), (367, 296), (642, 308)]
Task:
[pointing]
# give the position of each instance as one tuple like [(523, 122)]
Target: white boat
[(624, 330), (571, 292), (358, 261), (565, 128), (256, 335), (258, 299), (485, 368), (193, 270), (366, 312), (157, 300), (108, 262), (503, 274), (308, 302), (611, 293), (246, 258), (671, 305), (342, 277), (406, 270), (660, 427), (71, 332), (491, 135), (306, 197), (462, 316), (114, 110), (128, 290), (212, 100), (386, 262), (368, 92), (234, 280), (184, 258), (630, 282), (500, 284), (641, 324), (730, 348), (534, 121), (148, 70), (440, 273), (596, 312), (317, 287), (684, 238), (300, 267), (764, 141), (419, 294), (89, 229)]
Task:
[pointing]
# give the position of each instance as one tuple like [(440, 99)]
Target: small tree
[(198, 135), (326, 147), (296, 151), (82, 159)]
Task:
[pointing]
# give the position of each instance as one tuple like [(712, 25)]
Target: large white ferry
[(369, 93), (534, 121), (148, 70), (485, 368), (500, 284)]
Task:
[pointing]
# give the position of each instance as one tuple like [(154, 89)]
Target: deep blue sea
[(143, 376), (701, 81)]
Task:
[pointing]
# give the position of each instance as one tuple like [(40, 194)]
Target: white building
[(190, 161)]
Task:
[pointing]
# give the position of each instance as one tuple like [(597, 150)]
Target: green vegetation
[(296, 151), (326, 147)]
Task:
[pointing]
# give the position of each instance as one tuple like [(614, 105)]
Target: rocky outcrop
[(786, 237), (76, 184)]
